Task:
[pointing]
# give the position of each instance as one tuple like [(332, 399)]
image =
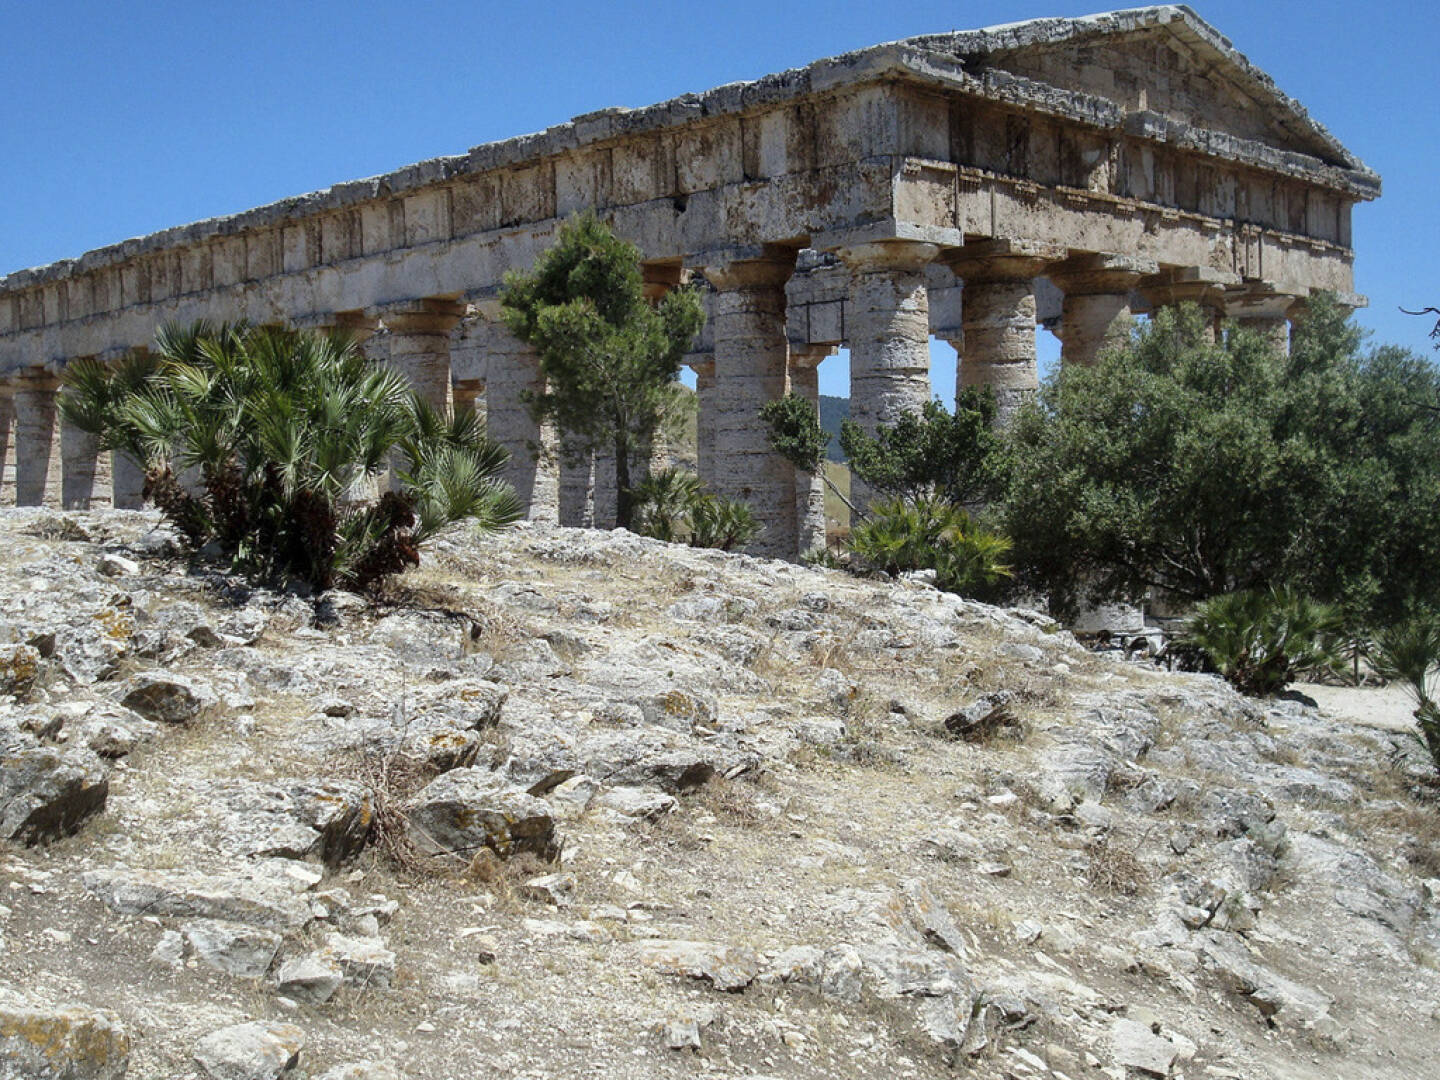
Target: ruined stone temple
[(968, 186)]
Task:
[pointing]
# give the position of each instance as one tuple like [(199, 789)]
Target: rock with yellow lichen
[(66, 1042)]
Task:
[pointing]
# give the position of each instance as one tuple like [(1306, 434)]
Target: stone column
[(1096, 309), (37, 456), (1261, 307), (750, 360), (7, 443), (513, 370), (998, 318), (577, 484), (420, 346), (704, 368), (888, 321), (468, 396), (127, 476), (809, 487), (1194, 285), (85, 472)]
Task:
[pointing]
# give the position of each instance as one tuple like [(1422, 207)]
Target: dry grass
[(1116, 870)]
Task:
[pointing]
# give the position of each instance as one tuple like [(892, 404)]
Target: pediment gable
[(1165, 62)]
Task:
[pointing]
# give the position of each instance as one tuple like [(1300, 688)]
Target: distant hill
[(832, 411)]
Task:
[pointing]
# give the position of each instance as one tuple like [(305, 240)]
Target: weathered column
[(37, 457), (513, 372), (1261, 307), (85, 472), (750, 359), (809, 487), (1200, 285), (576, 484), (888, 321), (1096, 309), (704, 368), (468, 396), (7, 443), (998, 318), (420, 346), (127, 476)]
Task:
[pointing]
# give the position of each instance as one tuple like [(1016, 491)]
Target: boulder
[(312, 979), (65, 1042), (255, 1051), (168, 699), (254, 901), (47, 792), (19, 670), (233, 948), (725, 967), (469, 809), (1135, 1046), (363, 961)]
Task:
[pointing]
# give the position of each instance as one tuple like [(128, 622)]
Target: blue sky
[(124, 118)]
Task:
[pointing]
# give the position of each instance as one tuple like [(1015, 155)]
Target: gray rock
[(254, 901), (168, 699), (327, 820), (637, 802), (19, 670), (245, 952), (169, 950), (1282, 1001), (467, 809), (63, 1042), (725, 967), (114, 566), (1135, 1046), (363, 961), (253, 1051), (983, 718), (312, 979), (48, 792)]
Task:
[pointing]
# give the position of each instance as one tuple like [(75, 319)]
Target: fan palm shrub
[(662, 503), (1260, 640), (901, 535), (1409, 651), (289, 434)]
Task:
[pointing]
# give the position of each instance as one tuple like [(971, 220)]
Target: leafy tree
[(1206, 468), (933, 454), (1260, 640), (288, 431), (796, 435), (609, 357)]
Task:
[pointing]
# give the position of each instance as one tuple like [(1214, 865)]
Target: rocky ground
[(574, 804)]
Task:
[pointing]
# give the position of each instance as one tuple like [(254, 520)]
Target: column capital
[(1197, 284), (428, 316), (1262, 300), (661, 277), (881, 255), (810, 356), (1002, 260), (1099, 273), (35, 379), (750, 267)]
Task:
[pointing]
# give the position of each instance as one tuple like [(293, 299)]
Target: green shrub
[(1409, 651), (288, 434), (1262, 639), (901, 535), (671, 505)]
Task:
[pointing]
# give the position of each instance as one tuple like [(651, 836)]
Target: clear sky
[(121, 118)]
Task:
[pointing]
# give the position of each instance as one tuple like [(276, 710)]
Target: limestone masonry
[(1058, 171)]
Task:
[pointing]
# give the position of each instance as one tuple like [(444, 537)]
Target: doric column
[(577, 480), (420, 346), (998, 318), (809, 487), (888, 321), (37, 457), (84, 471), (127, 476), (7, 443), (1096, 310), (1201, 285), (750, 360), (704, 367), (513, 371), (468, 396), (1265, 309)]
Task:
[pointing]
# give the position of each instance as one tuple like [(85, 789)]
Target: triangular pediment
[(1163, 61)]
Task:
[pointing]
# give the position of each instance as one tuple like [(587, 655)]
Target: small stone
[(111, 565), (73, 1042), (243, 951), (549, 889), (365, 961), (725, 967), (362, 1070), (313, 979), (253, 1051), (1137, 1047), (167, 699), (169, 950), (19, 670)]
